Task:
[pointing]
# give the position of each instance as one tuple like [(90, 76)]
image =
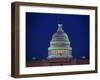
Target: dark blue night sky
[(41, 26)]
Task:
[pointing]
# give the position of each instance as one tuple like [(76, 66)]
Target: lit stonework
[(60, 45)]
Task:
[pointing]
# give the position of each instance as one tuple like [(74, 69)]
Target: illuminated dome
[(60, 45), (60, 34)]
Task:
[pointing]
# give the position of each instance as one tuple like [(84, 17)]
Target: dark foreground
[(56, 62)]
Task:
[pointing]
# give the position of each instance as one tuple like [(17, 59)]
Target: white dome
[(60, 39), (60, 45)]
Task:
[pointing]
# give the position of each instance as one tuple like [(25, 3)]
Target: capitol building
[(59, 52), (60, 45)]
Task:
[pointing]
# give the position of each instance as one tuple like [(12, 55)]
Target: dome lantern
[(60, 28)]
